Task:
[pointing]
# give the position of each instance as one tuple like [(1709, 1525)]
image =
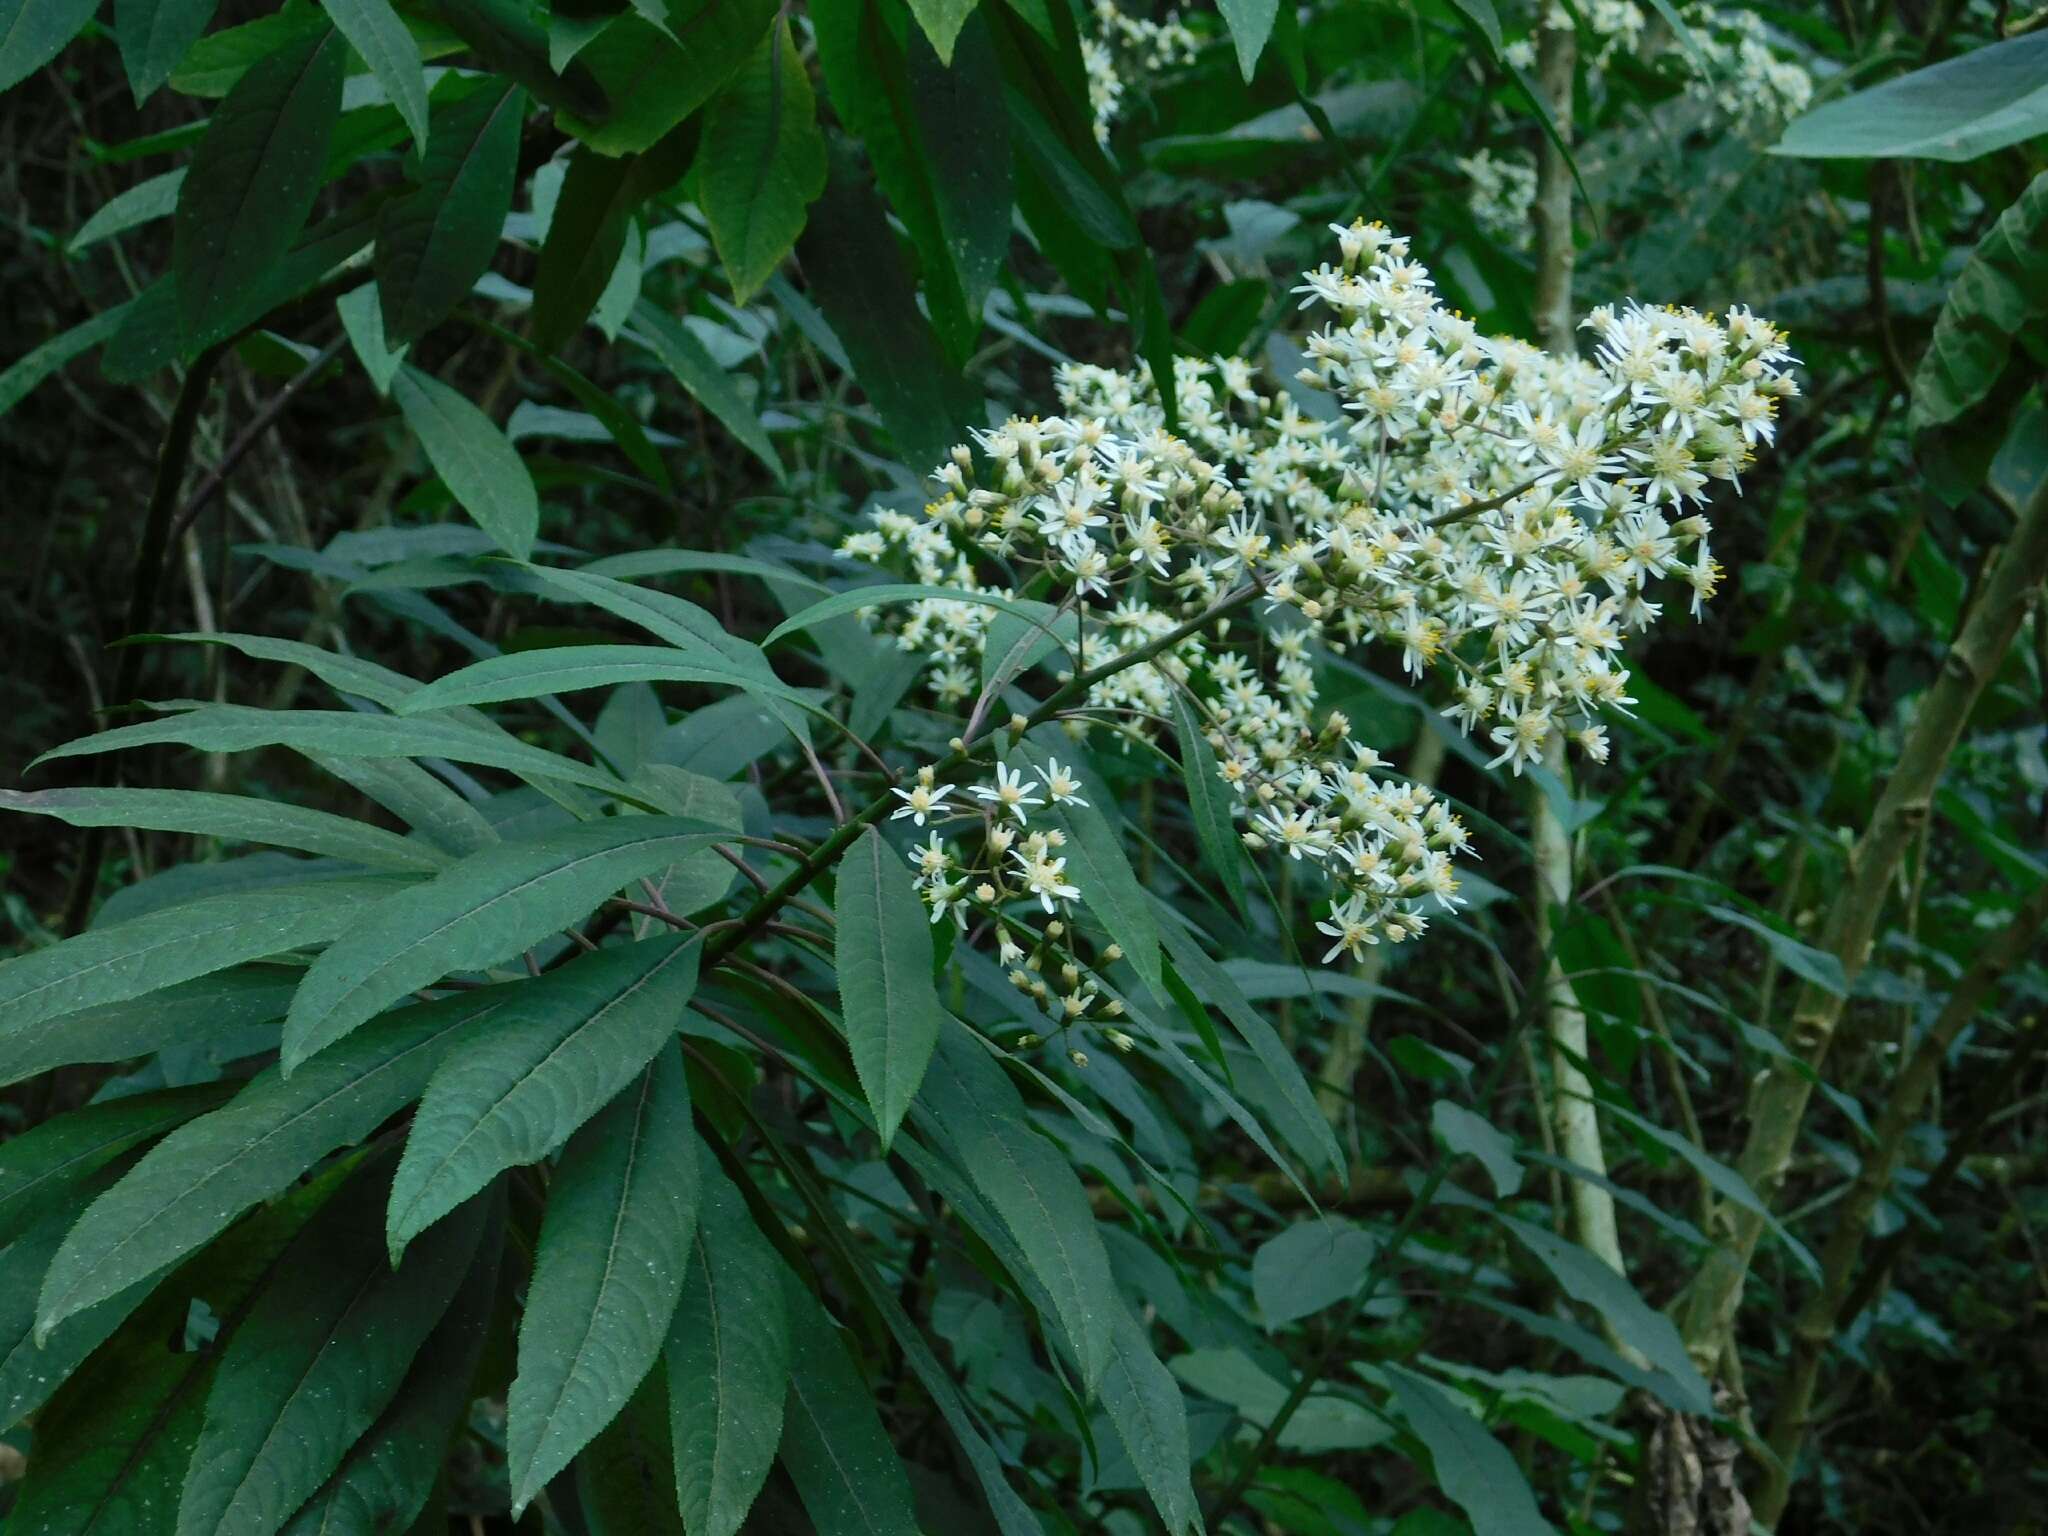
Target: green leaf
[(482, 910), (192, 1184), (1149, 1417), (506, 35), (33, 367), (728, 1356), (883, 949), (974, 1106), (856, 274), (481, 468), (320, 1356), (1099, 867), (415, 797), (626, 1477), (1586, 1279), (154, 35), (653, 81), (43, 1168), (941, 21), (110, 965), (348, 675), (374, 31), (1015, 643), (698, 372), (1325, 1422), (190, 1014), (621, 1216), (1251, 24), (362, 317), (253, 178), (210, 67), (1818, 966), (1475, 1136), (1209, 803), (845, 1470), (587, 231), (762, 164), (388, 1475), (339, 733), (33, 32), (1955, 110), (235, 818), (886, 594), (565, 669), (436, 240), (565, 1045), (1981, 362), (1312, 1265), (1474, 1470)]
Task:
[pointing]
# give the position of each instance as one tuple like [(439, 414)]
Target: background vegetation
[(692, 288)]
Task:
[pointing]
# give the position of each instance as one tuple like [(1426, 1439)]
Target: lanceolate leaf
[(626, 1476), (521, 1083), (478, 463), (33, 32), (1032, 1186), (1474, 1470), (564, 669), (197, 1180), (375, 31), (424, 803), (238, 818), (762, 164), (614, 1249), (434, 242), (884, 951), (728, 1355), (1955, 110), (587, 233), (238, 728), (1146, 1410), (655, 79), (698, 372), (482, 910), (254, 177), (841, 1461), (321, 1354), (159, 949), (154, 35), (1208, 801), (387, 1475), (42, 1169)]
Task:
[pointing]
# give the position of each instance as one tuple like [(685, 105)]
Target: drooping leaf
[(614, 1249), (727, 1355), (190, 1013), (198, 1179), (26, 372), (762, 163), (1323, 1423), (521, 1085), (887, 594), (153, 36), (1250, 23), (507, 35), (1955, 110), (565, 669), (857, 276), (435, 241), (1312, 1265), (375, 32), (1145, 1409), (43, 1169), (883, 948), (239, 818), (654, 81), (626, 1477), (1208, 801), (321, 1354), (111, 965), (424, 803), (33, 32), (698, 372), (845, 1470), (253, 178), (1977, 368), (1031, 1186), (1474, 1470), (339, 733), (1475, 1136), (362, 318), (476, 461), (388, 1475)]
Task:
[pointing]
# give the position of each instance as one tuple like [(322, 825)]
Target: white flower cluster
[(1501, 195), (1124, 47), (1496, 513), (1733, 63)]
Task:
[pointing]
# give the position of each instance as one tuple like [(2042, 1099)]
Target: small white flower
[(1011, 792), (922, 800), (1061, 784)]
